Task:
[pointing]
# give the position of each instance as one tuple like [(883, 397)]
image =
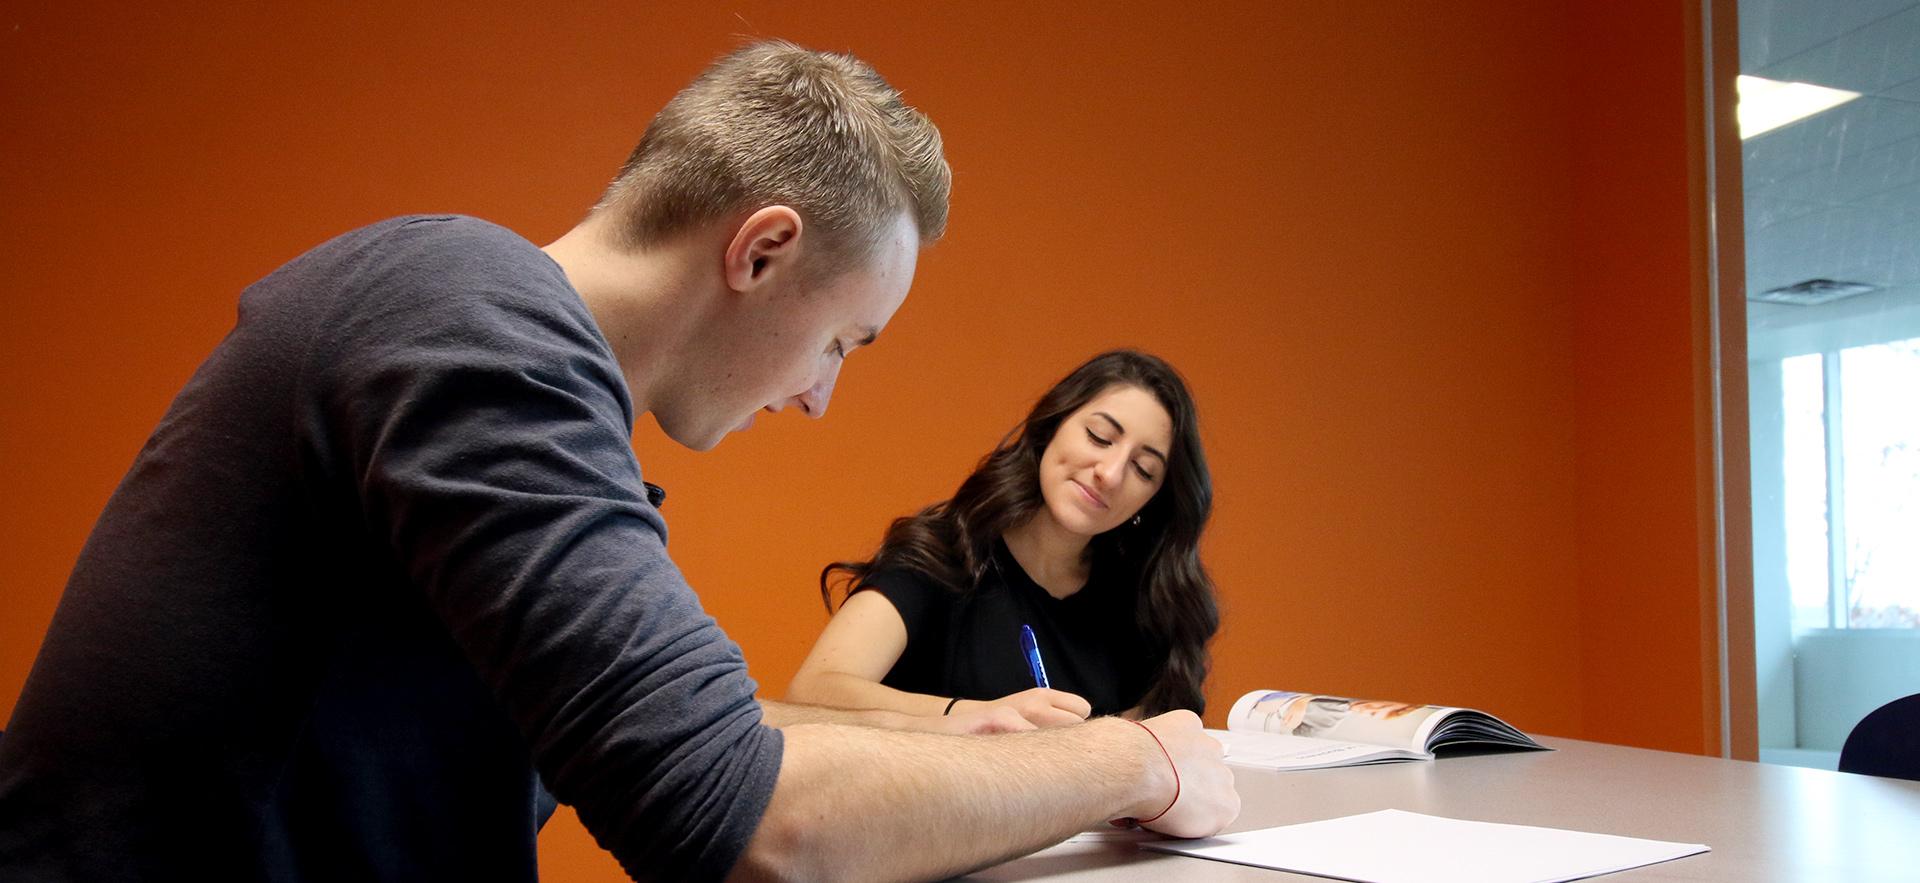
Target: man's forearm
[(850, 798)]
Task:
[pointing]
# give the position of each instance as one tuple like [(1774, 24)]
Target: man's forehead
[(884, 282)]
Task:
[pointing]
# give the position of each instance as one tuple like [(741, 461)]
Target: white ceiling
[(1836, 195)]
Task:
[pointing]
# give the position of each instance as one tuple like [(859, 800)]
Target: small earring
[(1136, 521)]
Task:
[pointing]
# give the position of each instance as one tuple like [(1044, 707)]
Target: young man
[(389, 554)]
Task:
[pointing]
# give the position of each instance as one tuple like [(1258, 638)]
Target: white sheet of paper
[(1395, 846)]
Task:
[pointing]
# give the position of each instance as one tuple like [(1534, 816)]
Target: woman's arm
[(858, 647), (861, 644)]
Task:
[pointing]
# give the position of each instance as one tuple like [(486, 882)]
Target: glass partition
[(1830, 138)]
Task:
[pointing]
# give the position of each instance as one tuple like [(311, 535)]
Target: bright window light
[(1766, 104)]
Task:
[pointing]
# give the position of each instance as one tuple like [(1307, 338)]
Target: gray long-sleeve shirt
[(387, 553)]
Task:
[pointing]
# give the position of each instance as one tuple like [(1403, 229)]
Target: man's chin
[(702, 440)]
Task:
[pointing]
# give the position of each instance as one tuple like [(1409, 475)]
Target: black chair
[(1886, 742)]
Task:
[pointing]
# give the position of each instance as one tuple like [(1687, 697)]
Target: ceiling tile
[(1876, 245), (1771, 30), (1856, 176), (1907, 91), (1826, 139), (1764, 211), (1878, 56)]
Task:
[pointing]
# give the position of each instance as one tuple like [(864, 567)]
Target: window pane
[(1805, 443), (1880, 429)]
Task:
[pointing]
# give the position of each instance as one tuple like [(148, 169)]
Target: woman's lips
[(1092, 498)]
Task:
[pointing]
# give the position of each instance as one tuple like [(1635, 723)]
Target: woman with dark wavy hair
[(1084, 526)]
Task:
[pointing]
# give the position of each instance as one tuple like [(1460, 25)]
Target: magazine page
[(1421, 728), (1278, 751), (1465, 726), (1376, 722)]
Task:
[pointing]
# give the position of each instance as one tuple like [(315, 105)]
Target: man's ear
[(766, 245)]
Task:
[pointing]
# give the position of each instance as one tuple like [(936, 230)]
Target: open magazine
[(1281, 730)]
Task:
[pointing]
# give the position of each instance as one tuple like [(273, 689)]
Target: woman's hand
[(1040, 706), (985, 720)]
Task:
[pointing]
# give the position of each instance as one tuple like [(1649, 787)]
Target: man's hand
[(1041, 706), (1207, 801)]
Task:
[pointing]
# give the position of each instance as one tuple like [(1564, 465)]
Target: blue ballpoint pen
[(1032, 649)]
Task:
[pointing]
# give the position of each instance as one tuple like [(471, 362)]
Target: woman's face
[(1106, 460)]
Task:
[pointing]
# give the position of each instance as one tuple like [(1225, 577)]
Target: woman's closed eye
[(1097, 439)]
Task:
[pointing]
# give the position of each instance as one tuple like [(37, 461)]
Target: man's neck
[(647, 301)]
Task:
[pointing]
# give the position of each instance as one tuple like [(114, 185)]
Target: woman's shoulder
[(921, 600), (889, 580)]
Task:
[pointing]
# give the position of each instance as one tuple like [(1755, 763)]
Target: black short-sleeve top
[(968, 645)]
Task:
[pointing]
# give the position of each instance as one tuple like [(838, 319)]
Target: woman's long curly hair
[(951, 542)]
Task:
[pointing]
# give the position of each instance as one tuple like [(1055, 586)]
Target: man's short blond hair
[(776, 124)]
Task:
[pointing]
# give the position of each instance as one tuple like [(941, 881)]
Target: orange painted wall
[(1648, 636), (1426, 265)]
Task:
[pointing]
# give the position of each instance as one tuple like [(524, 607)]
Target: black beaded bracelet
[(950, 705)]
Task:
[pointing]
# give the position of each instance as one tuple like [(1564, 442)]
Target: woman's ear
[(766, 245)]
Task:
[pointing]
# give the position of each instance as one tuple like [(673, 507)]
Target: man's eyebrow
[(872, 334), (1123, 431)]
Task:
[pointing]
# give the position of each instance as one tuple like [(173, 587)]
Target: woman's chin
[(1078, 523)]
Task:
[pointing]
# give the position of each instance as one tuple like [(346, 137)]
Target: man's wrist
[(1175, 769), (1152, 772)]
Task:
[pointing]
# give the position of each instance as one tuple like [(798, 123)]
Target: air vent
[(1813, 292)]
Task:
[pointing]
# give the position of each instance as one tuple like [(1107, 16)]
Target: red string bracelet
[(1170, 763)]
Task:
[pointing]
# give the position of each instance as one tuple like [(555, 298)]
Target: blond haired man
[(388, 563)]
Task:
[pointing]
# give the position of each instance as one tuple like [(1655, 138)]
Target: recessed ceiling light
[(1766, 104), (1814, 292)]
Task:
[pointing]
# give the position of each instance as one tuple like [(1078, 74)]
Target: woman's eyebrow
[(1123, 431)]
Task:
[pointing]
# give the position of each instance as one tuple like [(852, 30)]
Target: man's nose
[(813, 402)]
